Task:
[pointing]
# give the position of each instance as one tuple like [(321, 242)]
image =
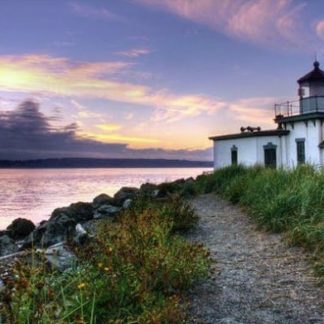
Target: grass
[(134, 271), (288, 201)]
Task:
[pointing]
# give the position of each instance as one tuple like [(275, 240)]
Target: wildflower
[(100, 265), (106, 269), (81, 285)]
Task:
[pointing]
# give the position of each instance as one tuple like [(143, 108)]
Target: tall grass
[(289, 201), (134, 271)]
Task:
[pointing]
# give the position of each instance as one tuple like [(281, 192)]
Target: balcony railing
[(299, 107)]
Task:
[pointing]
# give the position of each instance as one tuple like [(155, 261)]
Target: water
[(35, 193)]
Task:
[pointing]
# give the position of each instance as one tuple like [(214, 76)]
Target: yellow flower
[(81, 285), (100, 265), (110, 249), (106, 269)]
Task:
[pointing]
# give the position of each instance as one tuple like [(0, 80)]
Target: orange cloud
[(60, 77), (109, 127)]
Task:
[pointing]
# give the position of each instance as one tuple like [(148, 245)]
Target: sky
[(147, 78)]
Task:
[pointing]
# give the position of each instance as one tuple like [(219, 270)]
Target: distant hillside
[(104, 163)]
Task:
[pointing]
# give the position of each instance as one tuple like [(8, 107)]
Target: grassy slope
[(289, 201)]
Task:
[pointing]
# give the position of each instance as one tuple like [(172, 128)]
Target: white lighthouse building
[(298, 136)]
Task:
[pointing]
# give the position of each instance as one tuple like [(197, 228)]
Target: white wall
[(250, 150), (312, 132)]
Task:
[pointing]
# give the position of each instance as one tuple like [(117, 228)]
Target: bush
[(135, 270)]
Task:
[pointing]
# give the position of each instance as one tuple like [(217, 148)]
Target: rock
[(60, 226), (2, 286), (4, 232), (20, 228), (81, 235), (7, 245), (106, 211), (59, 257), (125, 193), (179, 181), (148, 188), (79, 211), (190, 180), (102, 199), (127, 203), (155, 193), (55, 230)]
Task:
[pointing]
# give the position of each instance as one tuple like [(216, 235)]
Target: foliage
[(135, 270)]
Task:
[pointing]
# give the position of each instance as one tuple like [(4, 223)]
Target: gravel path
[(258, 278)]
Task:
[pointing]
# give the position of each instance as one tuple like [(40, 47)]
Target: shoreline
[(61, 224)]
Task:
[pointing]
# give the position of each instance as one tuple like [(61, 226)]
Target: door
[(270, 157)]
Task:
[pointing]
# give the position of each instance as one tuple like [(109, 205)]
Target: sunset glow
[(154, 76)]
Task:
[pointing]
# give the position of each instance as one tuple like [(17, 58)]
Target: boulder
[(190, 180), (60, 226), (7, 245), (106, 211), (102, 199), (55, 230), (125, 193), (79, 211), (127, 203), (59, 257), (148, 188), (81, 235), (20, 228)]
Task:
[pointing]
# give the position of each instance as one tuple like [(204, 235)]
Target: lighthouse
[(297, 138)]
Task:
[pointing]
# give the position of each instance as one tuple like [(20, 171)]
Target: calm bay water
[(35, 193)]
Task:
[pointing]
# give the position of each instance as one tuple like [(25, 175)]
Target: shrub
[(135, 270)]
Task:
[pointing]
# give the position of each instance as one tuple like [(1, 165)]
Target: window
[(234, 155), (270, 155), (300, 143)]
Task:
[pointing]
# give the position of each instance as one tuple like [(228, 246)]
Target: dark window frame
[(300, 150), (270, 155), (234, 155)]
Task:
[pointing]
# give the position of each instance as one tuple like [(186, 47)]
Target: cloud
[(59, 76), (129, 116), (88, 11), (26, 133), (135, 52), (276, 23), (254, 111), (109, 127), (319, 27)]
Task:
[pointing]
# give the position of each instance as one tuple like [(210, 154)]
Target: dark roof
[(301, 117), (321, 145), (271, 132), (315, 75)]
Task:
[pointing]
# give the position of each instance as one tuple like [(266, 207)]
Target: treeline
[(103, 163)]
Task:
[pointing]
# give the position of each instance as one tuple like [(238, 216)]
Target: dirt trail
[(259, 279)]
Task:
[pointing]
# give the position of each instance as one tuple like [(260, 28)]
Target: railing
[(299, 107)]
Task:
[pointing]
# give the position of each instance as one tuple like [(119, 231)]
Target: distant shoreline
[(67, 163)]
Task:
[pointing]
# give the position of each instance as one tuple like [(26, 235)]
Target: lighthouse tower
[(311, 91), (305, 120)]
